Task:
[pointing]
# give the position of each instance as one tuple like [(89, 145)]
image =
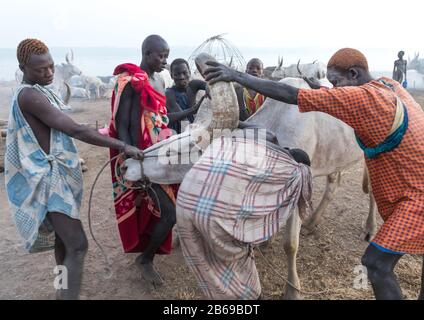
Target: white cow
[(79, 93), (65, 71), (89, 84), (316, 70), (93, 84)]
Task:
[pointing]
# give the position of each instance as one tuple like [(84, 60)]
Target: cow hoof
[(309, 229), (175, 242), (84, 168), (292, 295), (175, 239)]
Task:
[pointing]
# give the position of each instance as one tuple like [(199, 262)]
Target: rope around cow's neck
[(144, 184)]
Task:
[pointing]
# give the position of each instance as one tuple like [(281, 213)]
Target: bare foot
[(149, 273)]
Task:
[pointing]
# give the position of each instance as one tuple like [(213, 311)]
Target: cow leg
[(97, 92), (370, 228), (291, 246), (175, 238), (333, 182), (87, 88), (371, 223)]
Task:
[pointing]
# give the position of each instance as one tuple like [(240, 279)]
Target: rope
[(143, 184), (90, 226), (307, 293)]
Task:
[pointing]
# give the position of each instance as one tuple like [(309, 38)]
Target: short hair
[(151, 41), (177, 62), (347, 58), (28, 47), (255, 60)]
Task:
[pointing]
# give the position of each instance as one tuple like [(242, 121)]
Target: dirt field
[(326, 261)]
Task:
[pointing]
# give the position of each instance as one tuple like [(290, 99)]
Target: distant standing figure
[(399, 69)]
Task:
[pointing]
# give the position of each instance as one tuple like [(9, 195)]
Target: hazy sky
[(124, 23)]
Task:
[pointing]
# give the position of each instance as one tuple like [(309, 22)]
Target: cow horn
[(67, 58), (224, 105), (280, 62), (68, 93), (298, 68)]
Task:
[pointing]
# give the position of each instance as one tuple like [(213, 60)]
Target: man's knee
[(78, 245), (368, 261), (168, 210), (376, 263)]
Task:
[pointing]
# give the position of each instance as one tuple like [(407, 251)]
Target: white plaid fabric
[(238, 194)]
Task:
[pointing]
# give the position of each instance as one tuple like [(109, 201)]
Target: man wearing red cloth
[(139, 117)]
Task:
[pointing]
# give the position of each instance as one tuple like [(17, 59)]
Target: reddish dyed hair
[(347, 58), (28, 47)]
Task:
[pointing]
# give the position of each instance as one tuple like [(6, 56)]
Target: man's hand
[(133, 152), (218, 72), (313, 82)]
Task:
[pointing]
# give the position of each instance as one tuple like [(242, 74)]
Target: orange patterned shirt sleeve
[(368, 109)]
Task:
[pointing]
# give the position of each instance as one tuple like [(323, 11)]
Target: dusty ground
[(326, 261)]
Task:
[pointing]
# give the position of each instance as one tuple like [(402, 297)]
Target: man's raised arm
[(272, 89), (34, 103)]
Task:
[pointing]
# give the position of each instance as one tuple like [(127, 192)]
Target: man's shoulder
[(28, 95)]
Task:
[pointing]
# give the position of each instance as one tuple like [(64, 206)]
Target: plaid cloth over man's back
[(239, 193)]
